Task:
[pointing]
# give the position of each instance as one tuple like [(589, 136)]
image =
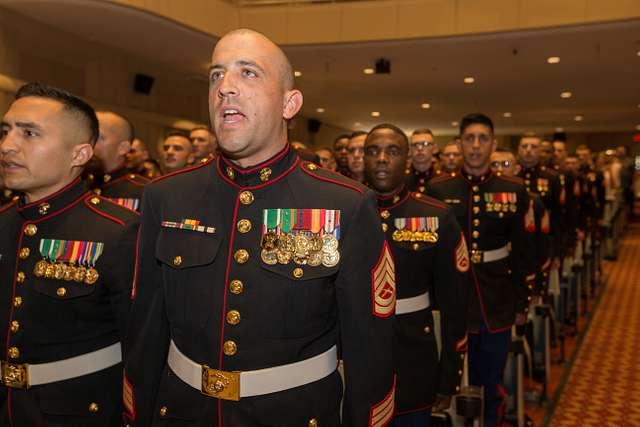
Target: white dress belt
[(260, 381), (495, 254), (25, 375), (413, 304)]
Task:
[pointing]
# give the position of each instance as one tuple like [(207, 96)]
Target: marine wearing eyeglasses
[(422, 168)]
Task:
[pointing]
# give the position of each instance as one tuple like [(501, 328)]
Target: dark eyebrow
[(27, 125), (241, 62)]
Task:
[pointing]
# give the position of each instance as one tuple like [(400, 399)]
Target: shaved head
[(276, 54)]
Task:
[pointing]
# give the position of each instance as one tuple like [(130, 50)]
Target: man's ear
[(518, 168), (292, 103), (124, 147), (81, 154)]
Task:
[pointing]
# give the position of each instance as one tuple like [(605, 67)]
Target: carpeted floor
[(603, 387)]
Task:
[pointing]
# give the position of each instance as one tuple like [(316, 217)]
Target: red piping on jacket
[(50, 196)]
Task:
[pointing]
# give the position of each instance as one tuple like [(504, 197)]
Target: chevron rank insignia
[(383, 283), (462, 255), (381, 414)]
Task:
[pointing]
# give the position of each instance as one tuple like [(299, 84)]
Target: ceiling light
[(425, 106), (356, 124), (566, 95), (637, 127), (639, 53), (559, 129), (578, 118), (553, 59), (297, 73), (469, 80), (507, 114), (320, 110), (454, 123), (375, 114), (369, 71)]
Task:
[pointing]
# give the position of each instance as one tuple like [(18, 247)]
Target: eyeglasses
[(470, 138), (501, 163), (421, 145), (355, 150)]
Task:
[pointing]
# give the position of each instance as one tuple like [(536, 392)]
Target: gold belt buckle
[(15, 375), (476, 256), (220, 384)]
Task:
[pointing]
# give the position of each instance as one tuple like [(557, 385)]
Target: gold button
[(457, 388), (236, 287), (15, 326), (528, 298), (385, 214), (475, 188), (177, 260), (24, 253), (421, 180), (246, 197), (20, 277), (462, 356), (312, 166), (475, 234), (98, 191), (527, 182), (298, 272), (14, 353), (163, 411), (95, 200), (230, 173), (500, 215), (43, 208), (265, 174), (61, 292), (459, 371), (476, 209), (106, 178), (244, 226), (530, 286), (230, 348), (93, 407), (30, 229), (385, 227), (528, 175), (476, 222), (233, 317), (313, 422), (415, 246), (17, 301), (474, 245), (476, 198), (241, 256), (427, 330)]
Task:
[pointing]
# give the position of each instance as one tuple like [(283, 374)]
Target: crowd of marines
[(261, 284)]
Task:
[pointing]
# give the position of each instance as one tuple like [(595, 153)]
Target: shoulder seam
[(104, 214), (440, 178), (160, 178), (513, 179), (342, 184), (430, 201)]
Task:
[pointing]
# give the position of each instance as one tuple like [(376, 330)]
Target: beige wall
[(386, 19)]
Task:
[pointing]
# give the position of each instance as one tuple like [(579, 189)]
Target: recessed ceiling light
[(425, 106), (454, 123), (639, 53), (506, 114), (356, 124), (469, 80), (320, 110), (553, 59), (578, 118), (297, 73), (369, 71), (559, 129), (375, 114), (566, 94)]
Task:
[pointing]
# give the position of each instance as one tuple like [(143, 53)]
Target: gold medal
[(329, 243), (497, 207), (50, 271), (330, 259), (40, 268), (69, 272), (269, 241), (489, 207), (91, 276), (300, 259), (430, 236), (302, 244), (58, 273), (269, 257), (286, 243), (79, 274), (283, 257), (315, 259), (316, 244), (513, 208), (505, 207), (397, 236)]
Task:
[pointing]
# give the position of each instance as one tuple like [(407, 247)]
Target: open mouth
[(232, 115)]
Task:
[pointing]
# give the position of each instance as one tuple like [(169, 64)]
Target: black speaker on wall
[(313, 125), (143, 83)]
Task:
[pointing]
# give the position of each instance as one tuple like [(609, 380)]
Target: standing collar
[(394, 199), (115, 175), (53, 203), (476, 179), (261, 174)]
